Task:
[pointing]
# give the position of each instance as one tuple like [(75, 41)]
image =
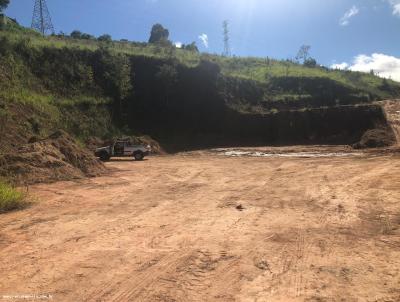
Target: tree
[(76, 34), (310, 62), (159, 34), (105, 38), (303, 53), (86, 36), (61, 34), (191, 47), (4, 4)]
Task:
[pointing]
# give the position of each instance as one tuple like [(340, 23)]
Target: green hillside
[(257, 69), (107, 88)]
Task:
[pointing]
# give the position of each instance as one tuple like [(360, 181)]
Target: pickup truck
[(123, 148)]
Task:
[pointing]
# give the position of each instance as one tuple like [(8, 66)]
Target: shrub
[(191, 47), (76, 34), (310, 62), (10, 198), (105, 38)]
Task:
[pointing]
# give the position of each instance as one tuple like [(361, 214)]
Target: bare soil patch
[(204, 227)]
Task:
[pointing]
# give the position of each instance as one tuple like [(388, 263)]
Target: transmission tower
[(227, 48), (41, 20)]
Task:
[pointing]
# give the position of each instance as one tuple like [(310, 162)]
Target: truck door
[(119, 149), (128, 150)]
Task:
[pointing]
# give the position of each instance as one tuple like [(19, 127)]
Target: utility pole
[(41, 20), (227, 48)]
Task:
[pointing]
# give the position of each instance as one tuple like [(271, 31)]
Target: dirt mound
[(93, 142), (376, 138), (392, 110), (147, 140), (57, 157)]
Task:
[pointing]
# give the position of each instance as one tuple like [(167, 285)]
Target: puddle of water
[(237, 153)]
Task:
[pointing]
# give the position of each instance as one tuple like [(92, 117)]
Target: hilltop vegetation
[(99, 87), (258, 69)]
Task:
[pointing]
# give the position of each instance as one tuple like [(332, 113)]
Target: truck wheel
[(138, 156), (104, 156)]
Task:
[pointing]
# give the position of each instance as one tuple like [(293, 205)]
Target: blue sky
[(345, 32)]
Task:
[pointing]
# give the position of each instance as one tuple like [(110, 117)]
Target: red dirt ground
[(207, 227)]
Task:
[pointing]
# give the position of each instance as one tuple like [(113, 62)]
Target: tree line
[(158, 36)]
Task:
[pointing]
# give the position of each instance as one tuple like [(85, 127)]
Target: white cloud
[(341, 66), (386, 66), (396, 6), (204, 40), (345, 20), (178, 44)]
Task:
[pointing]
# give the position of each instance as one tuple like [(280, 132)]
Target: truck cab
[(123, 148)]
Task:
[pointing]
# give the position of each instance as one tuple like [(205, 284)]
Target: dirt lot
[(209, 227)]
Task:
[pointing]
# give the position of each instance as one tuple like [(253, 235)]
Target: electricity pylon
[(41, 20), (227, 47)]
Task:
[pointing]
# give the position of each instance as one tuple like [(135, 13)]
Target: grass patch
[(10, 198)]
